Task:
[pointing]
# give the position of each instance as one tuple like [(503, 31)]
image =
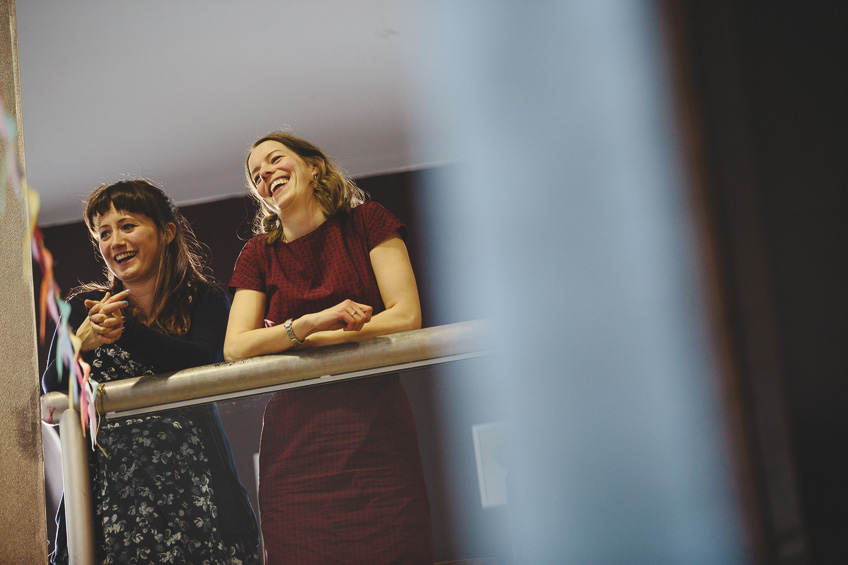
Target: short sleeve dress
[(340, 475)]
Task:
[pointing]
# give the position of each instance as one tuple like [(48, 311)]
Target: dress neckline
[(311, 235)]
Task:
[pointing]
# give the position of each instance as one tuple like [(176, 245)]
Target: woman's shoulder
[(370, 207), (257, 244), (370, 213), (207, 292), (256, 251), (376, 221)]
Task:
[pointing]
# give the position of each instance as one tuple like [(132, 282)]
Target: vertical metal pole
[(79, 512)]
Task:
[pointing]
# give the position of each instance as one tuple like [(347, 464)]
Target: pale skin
[(346, 321), (119, 234)]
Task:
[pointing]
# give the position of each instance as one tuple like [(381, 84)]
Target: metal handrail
[(308, 367)]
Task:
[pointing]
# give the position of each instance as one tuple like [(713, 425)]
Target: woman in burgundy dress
[(340, 476)]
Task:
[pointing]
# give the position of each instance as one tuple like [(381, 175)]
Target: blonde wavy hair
[(332, 188)]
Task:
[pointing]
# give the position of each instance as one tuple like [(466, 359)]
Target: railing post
[(79, 512)]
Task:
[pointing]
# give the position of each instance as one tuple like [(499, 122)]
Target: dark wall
[(796, 55), (766, 90), (461, 527)]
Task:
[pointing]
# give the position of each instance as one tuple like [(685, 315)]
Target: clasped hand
[(348, 315), (105, 321)]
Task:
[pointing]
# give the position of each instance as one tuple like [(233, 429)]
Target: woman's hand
[(348, 315), (105, 321), (247, 335)]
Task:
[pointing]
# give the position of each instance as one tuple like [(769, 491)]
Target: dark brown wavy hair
[(182, 269), (333, 190)]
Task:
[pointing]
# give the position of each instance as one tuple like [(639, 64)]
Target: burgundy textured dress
[(340, 476)]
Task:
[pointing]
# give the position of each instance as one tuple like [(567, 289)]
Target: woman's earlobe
[(170, 232), (316, 168)]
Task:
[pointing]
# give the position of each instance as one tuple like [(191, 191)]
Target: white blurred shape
[(489, 453), (566, 222)]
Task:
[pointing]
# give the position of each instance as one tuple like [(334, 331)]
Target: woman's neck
[(303, 221), (141, 296)]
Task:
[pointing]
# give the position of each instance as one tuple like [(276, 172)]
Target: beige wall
[(23, 525)]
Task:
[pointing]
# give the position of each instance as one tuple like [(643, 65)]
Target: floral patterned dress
[(163, 485)]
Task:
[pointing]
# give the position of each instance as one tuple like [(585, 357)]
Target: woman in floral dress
[(164, 486)]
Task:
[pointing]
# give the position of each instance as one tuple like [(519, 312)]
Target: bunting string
[(82, 390)]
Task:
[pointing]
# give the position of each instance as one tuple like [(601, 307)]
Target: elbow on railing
[(403, 321), (414, 322), (232, 352)]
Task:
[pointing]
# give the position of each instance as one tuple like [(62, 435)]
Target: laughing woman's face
[(131, 245), (280, 176)]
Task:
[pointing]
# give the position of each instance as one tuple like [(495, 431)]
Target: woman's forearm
[(393, 320), (268, 341), (261, 341)]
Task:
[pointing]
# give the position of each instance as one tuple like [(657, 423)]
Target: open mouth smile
[(124, 257), (278, 184)]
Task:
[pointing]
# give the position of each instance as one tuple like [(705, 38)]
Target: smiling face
[(131, 244), (280, 177)]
